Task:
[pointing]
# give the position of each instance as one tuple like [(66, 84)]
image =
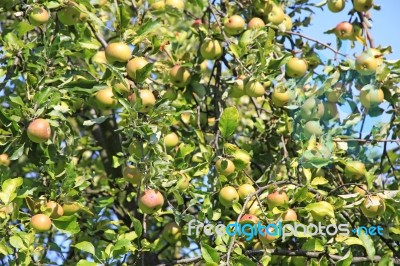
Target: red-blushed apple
[(4, 159), (38, 16), (256, 23), (344, 30), (234, 25), (39, 130), (277, 199), (40, 223), (150, 201), (56, 210)]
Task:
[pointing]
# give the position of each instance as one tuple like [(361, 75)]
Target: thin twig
[(97, 35), (316, 41)]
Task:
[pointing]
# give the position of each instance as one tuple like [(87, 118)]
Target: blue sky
[(384, 31)]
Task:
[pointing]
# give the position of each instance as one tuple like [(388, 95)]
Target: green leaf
[(94, 121), (209, 254), (9, 188), (320, 210), (313, 244), (18, 100), (244, 261), (67, 224), (368, 244), (386, 261), (229, 121), (4, 249), (23, 27), (86, 263), (148, 26), (121, 244), (346, 260), (137, 225), (85, 246), (143, 73), (17, 242), (18, 152)]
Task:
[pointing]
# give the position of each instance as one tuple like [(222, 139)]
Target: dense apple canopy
[(125, 123)]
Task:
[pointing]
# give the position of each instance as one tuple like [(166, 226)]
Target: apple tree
[(122, 122)]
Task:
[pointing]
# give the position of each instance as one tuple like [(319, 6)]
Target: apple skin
[(134, 65), (171, 140), (256, 23), (237, 89), (227, 170), (336, 6), (177, 4), (105, 98), (344, 30), (330, 111), (147, 98), (150, 201), (70, 208), (296, 67), (359, 190), (158, 5), (211, 49), (234, 25), (171, 232), (69, 15), (267, 238), (245, 190), (287, 21), (312, 108), (99, 57), (290, 215), (56, 209), (248, 219), (4, 159), (39, 130), (118, 52), (363, 5), (180, 76), (183, 182), (280, 99), (276, 15), (354, 170), (227, 196), (132, 174), (122, 88), (313, 128), (366, 64), (378, 207), (277, 199), (254, 88), (40, 223), (38, 16), (371, 98)]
